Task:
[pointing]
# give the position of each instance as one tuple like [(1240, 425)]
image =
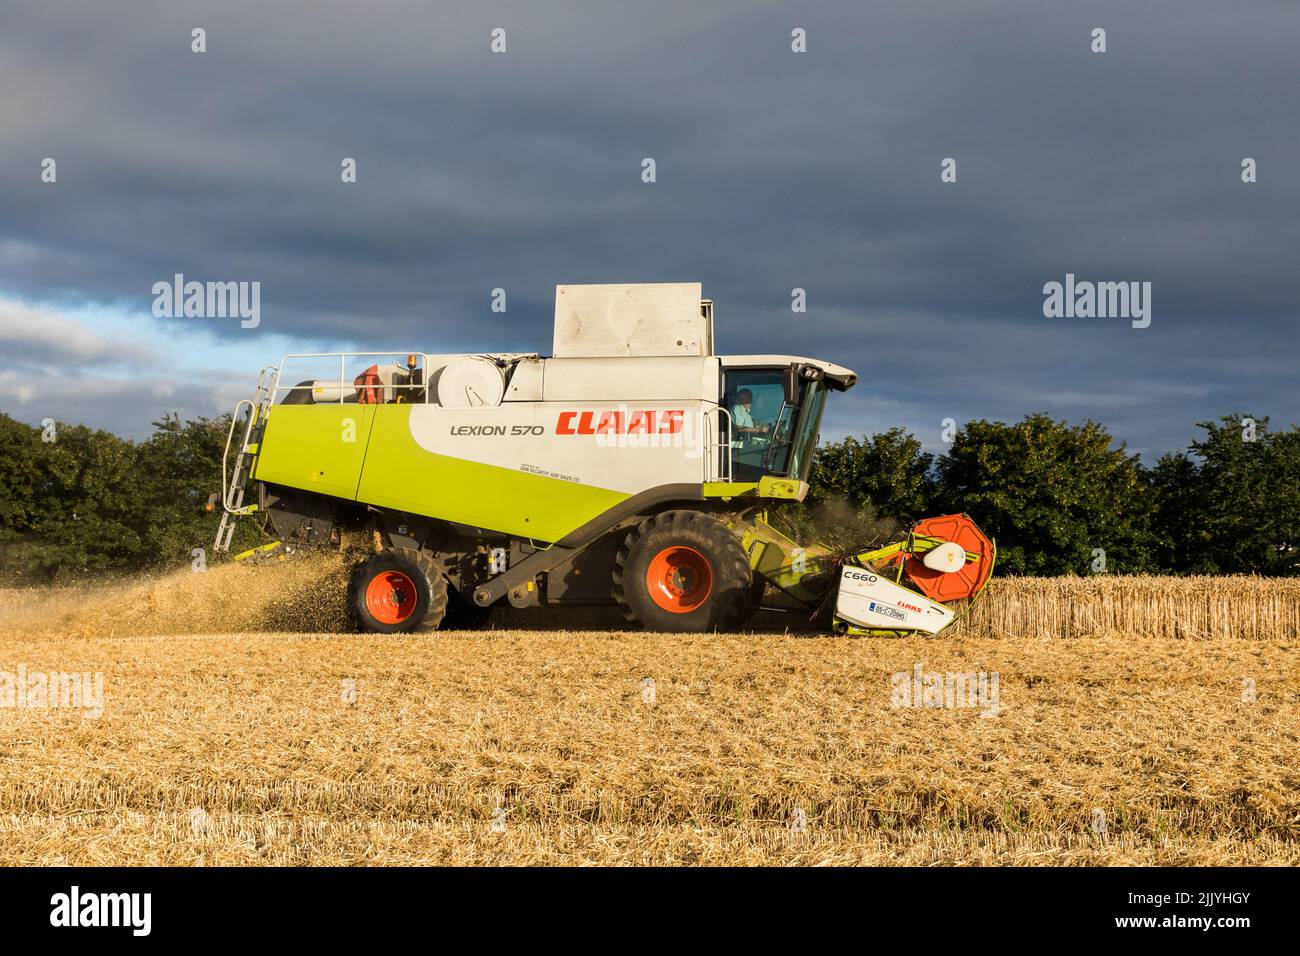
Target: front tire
[(398, 591), (682, 571)]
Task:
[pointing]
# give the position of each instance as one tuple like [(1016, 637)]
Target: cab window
[(755, 400)]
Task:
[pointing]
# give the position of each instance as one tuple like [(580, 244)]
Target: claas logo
[(648, 422)]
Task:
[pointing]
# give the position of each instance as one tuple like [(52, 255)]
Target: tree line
[(1058, 498), (1066, 499), (77, 502)]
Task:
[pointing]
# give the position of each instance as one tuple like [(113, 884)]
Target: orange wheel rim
[(679, 579), (391, 597)]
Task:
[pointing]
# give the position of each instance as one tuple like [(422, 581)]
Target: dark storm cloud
[(775, 171)]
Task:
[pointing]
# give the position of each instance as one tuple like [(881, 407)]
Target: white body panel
[(630, 379), (868, 600), (625, 424), (625, 448), (845, 375), (526, 382), (644, 319)]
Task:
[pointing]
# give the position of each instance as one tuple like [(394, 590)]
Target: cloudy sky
[(775, 170)]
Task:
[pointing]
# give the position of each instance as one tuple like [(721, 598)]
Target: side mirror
[(790, 383)]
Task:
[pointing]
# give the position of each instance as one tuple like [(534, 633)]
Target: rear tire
[(682, 571), (398, 591)]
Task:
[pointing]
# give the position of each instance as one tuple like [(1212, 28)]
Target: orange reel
[(943, 586)]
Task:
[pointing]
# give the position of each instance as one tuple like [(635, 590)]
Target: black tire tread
[(733, 577), (436, 583), (437, 611)]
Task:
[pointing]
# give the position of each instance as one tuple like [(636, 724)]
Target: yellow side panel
[(316, 447), (400, 474)]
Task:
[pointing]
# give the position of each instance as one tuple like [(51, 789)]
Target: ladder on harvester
[(234, 486)]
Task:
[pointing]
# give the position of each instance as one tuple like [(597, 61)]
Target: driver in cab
[(742, 419)]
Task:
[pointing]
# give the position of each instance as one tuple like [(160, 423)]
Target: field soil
[(1097, 721)]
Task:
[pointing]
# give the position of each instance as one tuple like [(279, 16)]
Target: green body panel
[(769, 486), (774, 486), (305, 446), (783, 563), (726, 490), (400, 474)]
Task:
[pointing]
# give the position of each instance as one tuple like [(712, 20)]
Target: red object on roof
[(369, 386)]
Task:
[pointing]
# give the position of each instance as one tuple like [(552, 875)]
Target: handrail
[(343, 384), (715, 469), (234, 420)]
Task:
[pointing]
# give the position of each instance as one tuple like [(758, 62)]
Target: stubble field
[(1135, 721)]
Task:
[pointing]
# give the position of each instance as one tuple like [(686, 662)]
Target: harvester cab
[(631, 467)]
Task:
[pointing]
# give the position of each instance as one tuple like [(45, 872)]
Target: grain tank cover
[(656, 318)]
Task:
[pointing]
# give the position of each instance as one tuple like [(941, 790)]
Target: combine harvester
[(632, 467)]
